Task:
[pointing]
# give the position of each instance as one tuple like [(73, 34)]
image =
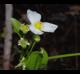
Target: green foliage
[(16, 25), (35, 61)]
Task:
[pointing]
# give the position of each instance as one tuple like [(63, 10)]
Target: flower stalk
[(63, 56)]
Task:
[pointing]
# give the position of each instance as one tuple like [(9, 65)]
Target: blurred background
[(65, 39)]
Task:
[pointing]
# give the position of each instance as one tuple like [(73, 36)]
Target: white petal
[(34, 30), (33, 16), (48, 27)]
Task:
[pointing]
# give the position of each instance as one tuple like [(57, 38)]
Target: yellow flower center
[(38, 25)]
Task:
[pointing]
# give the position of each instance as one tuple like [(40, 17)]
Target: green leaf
[(45, 57), (16, 25), (34, 61)]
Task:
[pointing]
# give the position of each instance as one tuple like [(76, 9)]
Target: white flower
[(38, 27)]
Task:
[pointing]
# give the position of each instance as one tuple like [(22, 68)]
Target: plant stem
[(19, 35), (32, 47), (63, 56)]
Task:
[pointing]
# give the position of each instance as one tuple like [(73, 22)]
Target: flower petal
[(48, 27), (33, 16), (35, 31)]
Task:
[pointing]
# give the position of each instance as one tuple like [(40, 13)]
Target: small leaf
[(16, 25)]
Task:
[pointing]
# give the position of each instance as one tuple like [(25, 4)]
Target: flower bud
[(36, 38), (24, 28), (23, 43)]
